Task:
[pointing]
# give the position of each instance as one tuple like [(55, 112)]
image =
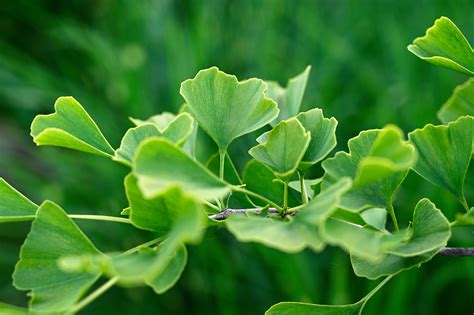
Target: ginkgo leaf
[(161, 120), (163, 211), (375, 217), (445, 153), (297, 308), (445, 45), (226, 108), (430, 231), (378, 161), (289, 98), (323, 136), (53, 235), (8, 309), (259, 178), (177, 131), (160, 164), (13, 205), (466, 218), (295, 235), (389, 265), (461, 103), (70, 127), (284, 147)]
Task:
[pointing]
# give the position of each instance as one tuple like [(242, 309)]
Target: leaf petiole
[(391, 211), (99, 218), (304, 194), (253, 194), (94, 295)]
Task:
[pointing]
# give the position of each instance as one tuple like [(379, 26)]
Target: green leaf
[(259, 178), (444, 154), (177, 131), (430, 231), (461, 103), (323, 136), (171, 273), (445, 45), (8, 309), (162, 212), (53, 235), (378, 161), (294, 235), (389, 265), (70, 127), (284, 148), (375, 217), (310, 185), (289, 98), (226, 108), (13, 205), (161, 120), (160, 164), (296, 308), (466, 218)]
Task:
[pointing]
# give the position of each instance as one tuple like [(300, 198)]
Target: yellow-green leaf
[(13, 205)]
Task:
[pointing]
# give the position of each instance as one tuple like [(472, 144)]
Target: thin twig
[(457, 251)]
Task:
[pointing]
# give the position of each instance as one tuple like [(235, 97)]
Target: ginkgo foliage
[(272, 202)]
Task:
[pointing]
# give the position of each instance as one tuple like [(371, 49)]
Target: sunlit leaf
[(177, 131), (162, 212), (461, 103), (375, 217), (378, 162), (445, 153), (160, 164), (323, 136), (226, 108), (290, 235), (53, 235), (70, 127), (8, 309), (13, 205), (161, 120), (284, 147), (289, 98), (445, 45)]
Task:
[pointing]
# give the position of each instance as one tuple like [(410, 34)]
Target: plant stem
[(251, 193), (391, 211), (376, 289), (211, 205), (464, 203), (94, 295), (222, 154), (99, 218), (304, 194), (138, 247), (285, 196)]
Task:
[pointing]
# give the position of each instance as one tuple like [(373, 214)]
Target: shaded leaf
[(375, 217), (284, 147), (53, 235), (323, 136), (226, 108), (378, 161), (162, 212), (13, 205), (177, 131), (445, 45), (290, 235), (160, 164), (260, 179), (70, 127), (461, 103), (445, 153), (430, 231), (289, 98)]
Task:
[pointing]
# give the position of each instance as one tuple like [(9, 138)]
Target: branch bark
[(457, 251)]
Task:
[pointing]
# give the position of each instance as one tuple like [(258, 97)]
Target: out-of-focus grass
[(127, 58)]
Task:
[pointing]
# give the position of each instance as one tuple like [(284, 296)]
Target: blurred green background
[(127, 58)]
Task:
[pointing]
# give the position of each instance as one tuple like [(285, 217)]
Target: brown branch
[(457, 251)]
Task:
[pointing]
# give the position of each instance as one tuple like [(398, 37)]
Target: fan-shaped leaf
[(177, 131), (461, 103), (445, 45), (444, 153), (284, 148), (378, 162), (297, 234), (161, 120), (160, 164), (289, 98), (323, 136), (13, 205), (70, 127), (52, 236), (226, 108)]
